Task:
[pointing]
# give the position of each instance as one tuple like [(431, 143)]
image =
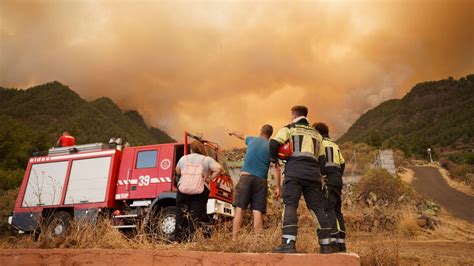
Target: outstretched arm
[(237, 135)]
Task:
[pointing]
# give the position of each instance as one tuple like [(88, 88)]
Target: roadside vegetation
[(460, 166), (383, 215)]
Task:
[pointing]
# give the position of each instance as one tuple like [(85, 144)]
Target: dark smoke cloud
[(209, 67)]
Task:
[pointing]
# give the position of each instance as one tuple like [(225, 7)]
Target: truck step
[(124, 226), (126, 216)]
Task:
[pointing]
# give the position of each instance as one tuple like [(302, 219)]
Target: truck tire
[(58, 224), (163, 224)]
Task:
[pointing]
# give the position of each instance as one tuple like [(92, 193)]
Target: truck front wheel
[(163, 223), (167, 221), (58, 223)]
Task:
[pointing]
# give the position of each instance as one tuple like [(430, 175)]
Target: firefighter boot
[(342, 247), (287, 246), (324, 241), (341, 242), (333, 243), (325, 249)]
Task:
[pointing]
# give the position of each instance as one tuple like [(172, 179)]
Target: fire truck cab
[(133, 186)]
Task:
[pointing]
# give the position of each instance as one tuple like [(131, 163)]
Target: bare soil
[(409, 253), (164, 257), (437, 253)]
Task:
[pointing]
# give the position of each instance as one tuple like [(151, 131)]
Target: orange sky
[(214, 66)]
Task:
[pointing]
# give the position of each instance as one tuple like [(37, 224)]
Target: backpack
[(192, 179)]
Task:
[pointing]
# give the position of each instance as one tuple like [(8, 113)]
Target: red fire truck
[(131, 185)]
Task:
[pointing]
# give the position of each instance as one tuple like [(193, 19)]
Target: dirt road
[(436, 253), (429, 182)]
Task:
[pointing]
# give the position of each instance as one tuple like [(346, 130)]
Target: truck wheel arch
[(164, 199)]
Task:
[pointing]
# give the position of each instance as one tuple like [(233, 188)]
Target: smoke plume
[(213, 66)]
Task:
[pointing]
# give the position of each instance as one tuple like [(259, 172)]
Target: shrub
[(10, 179), (385, 186), (7, 202)]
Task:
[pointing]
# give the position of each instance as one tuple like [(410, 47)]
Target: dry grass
[(452, 229), (84, 235), (407, 224), (376, 249), (270, 237)]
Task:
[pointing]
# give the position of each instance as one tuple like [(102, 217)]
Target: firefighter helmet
[(285, 151)]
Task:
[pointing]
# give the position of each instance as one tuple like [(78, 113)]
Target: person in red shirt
[(65, 140)]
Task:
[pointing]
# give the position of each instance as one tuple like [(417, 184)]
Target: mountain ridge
[(33, 119), (432, 114)]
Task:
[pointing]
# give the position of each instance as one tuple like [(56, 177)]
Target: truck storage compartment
[(45, 184), (88, 180)]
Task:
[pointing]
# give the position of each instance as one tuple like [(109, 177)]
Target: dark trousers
[(191, 213), (336, 219), (315, 201)]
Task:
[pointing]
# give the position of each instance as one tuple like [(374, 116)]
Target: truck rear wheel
[(58, 223)]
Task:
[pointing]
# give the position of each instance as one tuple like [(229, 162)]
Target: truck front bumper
[(10, 222), (220, 208)]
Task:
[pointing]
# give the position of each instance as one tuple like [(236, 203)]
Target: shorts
[(251, 190)]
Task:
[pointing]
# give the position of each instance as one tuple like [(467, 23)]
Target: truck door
[(144, 170)]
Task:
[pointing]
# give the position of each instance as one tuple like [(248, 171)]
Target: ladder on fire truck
[(80, 148), (114, 143)]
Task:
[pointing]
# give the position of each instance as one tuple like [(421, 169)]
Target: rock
[(429, 212), (421, 222)]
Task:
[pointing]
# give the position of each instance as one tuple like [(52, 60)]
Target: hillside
[(32, 120), (433, 114)]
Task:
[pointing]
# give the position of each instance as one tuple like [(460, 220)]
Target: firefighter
[(302, 176), (65, 140), (334, 170), (252, 186)]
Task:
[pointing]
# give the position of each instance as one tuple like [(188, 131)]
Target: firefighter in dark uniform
[(334, 169), (302, 176)]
